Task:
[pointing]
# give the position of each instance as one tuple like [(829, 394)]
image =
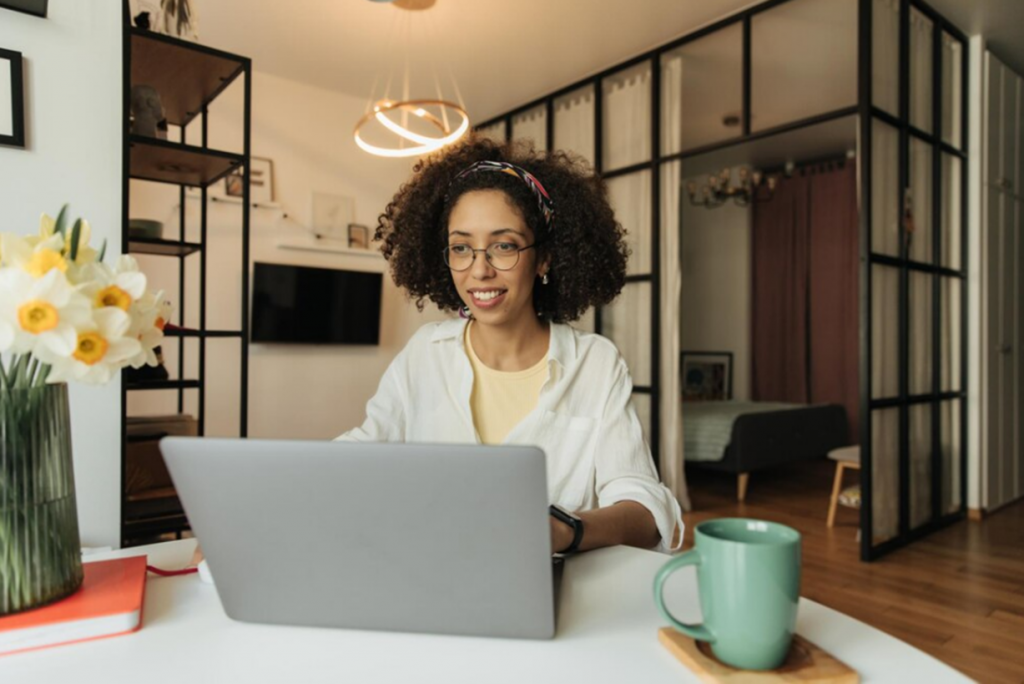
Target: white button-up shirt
[(584, 420)]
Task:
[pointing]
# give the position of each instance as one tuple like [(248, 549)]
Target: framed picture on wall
[(332, 215), (12, 99), (358, 236), (706, 376), (233, 185), (261, 180), (34, 7)]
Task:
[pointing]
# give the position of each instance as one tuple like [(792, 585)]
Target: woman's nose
[(481, 266)]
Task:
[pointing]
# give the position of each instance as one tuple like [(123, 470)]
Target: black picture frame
[(700, 378), (36, 8), (13, 100)]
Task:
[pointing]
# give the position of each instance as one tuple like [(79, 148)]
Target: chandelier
[(753, 186), (401, 126)]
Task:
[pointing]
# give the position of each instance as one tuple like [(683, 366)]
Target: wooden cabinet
[(1002, 264)]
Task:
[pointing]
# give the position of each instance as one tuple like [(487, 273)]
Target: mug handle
[(695, 631)]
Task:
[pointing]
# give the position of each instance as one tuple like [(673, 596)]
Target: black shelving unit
[(189, 77)]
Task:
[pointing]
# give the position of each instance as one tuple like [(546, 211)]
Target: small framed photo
[(12, 99), (261, 184), (706, 376), (358, 236), (233, 185), (34, 7)]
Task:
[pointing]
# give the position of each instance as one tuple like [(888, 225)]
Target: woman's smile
[(487, 298)]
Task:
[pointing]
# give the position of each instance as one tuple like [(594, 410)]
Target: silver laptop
[(405, 537)]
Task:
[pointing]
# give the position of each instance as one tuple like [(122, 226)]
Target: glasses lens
[(503, 256), (458, 257)]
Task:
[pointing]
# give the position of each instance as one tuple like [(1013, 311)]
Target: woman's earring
[(464, 312), (544, 279)]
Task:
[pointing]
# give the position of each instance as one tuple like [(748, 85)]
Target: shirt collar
[(563, 340)]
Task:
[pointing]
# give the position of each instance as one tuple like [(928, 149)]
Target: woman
[(520, 244)]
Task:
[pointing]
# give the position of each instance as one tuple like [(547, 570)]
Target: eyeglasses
[(501, 255)]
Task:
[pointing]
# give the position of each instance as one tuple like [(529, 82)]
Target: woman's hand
[(197, 557)]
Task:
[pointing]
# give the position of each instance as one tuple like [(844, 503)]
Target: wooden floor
[(958, 595)]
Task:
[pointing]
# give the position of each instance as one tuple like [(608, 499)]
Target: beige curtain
[(532, 125), (672, 456)]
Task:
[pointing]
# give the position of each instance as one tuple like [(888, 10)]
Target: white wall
[(295, 391), (73, 154), (716, 297)]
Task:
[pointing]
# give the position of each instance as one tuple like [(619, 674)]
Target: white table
[(607, 632)]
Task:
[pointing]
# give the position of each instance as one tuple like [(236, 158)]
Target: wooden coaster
[(805, 663)]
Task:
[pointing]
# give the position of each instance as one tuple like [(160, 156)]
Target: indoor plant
[(64, 315)]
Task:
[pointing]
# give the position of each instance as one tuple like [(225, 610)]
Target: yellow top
[(501, 399)]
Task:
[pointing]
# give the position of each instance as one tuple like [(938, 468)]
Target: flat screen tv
[(304, 305)]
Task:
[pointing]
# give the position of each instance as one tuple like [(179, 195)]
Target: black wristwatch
[(572, 520)]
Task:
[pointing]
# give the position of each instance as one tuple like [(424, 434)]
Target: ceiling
[(1000, 21), (504, 53)]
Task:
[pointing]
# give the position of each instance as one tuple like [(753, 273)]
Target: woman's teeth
[(487, 296)]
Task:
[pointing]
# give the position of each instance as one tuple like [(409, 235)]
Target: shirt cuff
[(657, 499)]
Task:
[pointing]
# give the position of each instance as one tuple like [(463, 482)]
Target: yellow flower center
[(91, 348), (37, 316), (113, 296), (44, 260)]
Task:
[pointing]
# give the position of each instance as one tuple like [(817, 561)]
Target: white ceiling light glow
[(401, 126)]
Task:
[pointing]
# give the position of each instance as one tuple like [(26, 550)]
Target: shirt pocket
[(568, 442)]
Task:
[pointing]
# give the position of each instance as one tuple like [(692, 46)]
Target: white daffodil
[(85, 254), (100, 349), (39, 312), (119, 287), (37, 258), (83, 319), (149, 315), (6, 335)]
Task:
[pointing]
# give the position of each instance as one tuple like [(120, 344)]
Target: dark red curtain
[(805, 307), (834, 294), (779, 245)]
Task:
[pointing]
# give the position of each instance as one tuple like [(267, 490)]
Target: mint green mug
[(748, 575)]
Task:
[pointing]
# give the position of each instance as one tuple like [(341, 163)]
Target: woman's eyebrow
[(503, 231), (500, 231)]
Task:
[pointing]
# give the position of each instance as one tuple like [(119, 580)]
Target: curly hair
[(585, 244)]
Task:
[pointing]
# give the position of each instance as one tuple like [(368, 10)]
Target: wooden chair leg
[(741, 486), (837, 486)]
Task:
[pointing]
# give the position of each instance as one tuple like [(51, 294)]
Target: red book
[(108, 603)]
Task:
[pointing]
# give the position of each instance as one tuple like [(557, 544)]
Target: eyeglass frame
[(487, 256)]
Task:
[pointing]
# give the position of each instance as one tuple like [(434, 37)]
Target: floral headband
[(544, 201)]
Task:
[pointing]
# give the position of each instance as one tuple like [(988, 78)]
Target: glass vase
[(40, 551)]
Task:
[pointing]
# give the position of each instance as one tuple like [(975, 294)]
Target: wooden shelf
[(162, 247), (169, 162), (187, 75), (326, 246), (163, 385), (203, 333)]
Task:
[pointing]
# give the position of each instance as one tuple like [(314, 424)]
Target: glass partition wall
[(913, 311), (775, 69)]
